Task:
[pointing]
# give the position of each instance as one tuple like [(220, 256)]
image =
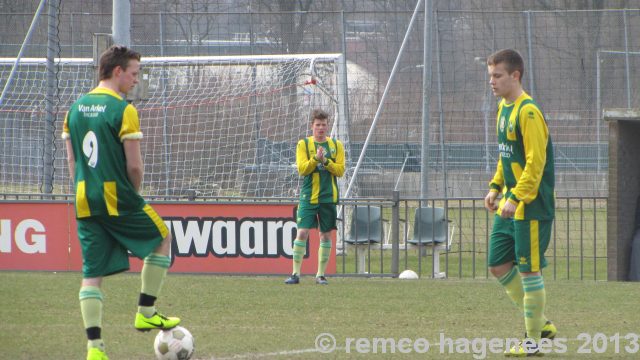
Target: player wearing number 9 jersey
[(102, 133), (99, 124)]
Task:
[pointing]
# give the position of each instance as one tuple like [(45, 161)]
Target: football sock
[(534, 302), (323, 256), (299, 248), (512, 284), (97, 343), (91, 308), (153, 273)]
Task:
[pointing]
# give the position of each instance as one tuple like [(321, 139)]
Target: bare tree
[(292, 22), (192, 18)]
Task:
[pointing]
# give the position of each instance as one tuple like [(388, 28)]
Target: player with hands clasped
[(320, 160)]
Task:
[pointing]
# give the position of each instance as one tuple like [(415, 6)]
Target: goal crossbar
[(192, 60)]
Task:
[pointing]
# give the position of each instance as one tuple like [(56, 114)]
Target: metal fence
[(577, 249), (578, 62)]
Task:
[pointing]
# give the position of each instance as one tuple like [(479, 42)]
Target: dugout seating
[(432, 231)]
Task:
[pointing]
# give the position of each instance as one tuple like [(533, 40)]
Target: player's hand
[(320, 154), (490, 201), (508, 209)]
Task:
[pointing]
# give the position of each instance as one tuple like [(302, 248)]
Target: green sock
[(512, 284), (534, 302), (91, 308), (153, 273), (299, 248), (323, 256)]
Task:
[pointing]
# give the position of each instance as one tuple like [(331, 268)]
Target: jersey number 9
[(90, 148)]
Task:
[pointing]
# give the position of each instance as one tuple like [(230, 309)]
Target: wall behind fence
[(578, 62)]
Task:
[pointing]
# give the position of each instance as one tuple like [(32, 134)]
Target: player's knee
[(96, 281), (303, 235), (165, 245), (494, 272), (325, 237), (500, 270), (166, 242)]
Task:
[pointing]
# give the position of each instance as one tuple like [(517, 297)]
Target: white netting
[(213, 126), (24, 132)]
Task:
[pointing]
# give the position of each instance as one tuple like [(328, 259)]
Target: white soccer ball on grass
[(408, 275), (174, 344)]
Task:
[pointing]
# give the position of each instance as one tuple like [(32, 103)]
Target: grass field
[(471, 265), (259, 317)]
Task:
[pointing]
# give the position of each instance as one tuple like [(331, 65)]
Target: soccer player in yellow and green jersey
[(525, 178), (320, 160), (102, 133)]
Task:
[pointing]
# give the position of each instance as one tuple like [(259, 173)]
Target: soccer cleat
[(293, 279), (157, 321), (321, 280), (549, 331), (96, 354), (526, 348)]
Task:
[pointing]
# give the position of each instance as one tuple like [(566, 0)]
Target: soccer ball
[(174, 344), (408, 275)]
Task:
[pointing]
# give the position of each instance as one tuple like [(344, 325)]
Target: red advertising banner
[(207, 238), (35, 236)]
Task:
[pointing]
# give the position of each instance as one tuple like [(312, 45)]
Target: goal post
[(214, 126)]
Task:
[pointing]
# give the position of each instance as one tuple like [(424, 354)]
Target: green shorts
[(522, 242), (309, 215), (105, 240)]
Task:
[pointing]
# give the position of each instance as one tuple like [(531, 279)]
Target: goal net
[(213, 126)]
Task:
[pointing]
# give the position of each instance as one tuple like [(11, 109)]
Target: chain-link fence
[(577, 63)]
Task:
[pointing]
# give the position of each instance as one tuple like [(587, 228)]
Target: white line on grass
[(314, 350), (269, 354)]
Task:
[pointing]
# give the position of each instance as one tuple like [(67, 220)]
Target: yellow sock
[(512, 284), (534, 303), (153, 273), (299, 249), (91, 306), (324, 252)]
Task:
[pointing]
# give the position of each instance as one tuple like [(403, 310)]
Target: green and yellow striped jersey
[(525, 172), (97, 125), (320, 185)]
